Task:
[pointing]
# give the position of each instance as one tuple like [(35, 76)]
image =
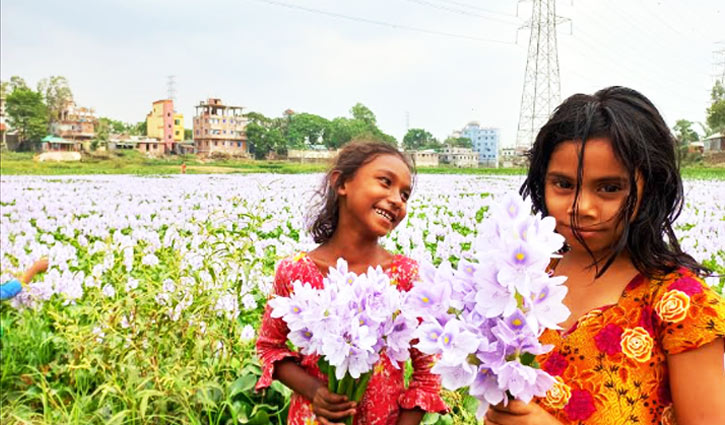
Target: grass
[(132, 162)]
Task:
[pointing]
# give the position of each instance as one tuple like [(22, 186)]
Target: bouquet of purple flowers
[(484, 317), (348, 323)]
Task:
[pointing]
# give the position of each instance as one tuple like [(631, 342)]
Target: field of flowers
[(156, 286)]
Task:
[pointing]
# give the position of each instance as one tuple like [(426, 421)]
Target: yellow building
[(178, 127)]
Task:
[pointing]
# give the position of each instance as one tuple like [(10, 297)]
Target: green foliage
[(305, 130), (56, 93), (459, 142), (130, 358), (27, 113), (716, 111), (188, 134), (418, 138)]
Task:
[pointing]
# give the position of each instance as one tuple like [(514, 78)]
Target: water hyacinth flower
[(350, 322), (484, 318)]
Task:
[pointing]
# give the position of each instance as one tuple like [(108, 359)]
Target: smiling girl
[(364, 197), (644, 342)]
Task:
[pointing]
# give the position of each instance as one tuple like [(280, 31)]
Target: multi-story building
[(220, 128), (459, 157), (75, 123), (164, 124), (424, 158), (485, 141)]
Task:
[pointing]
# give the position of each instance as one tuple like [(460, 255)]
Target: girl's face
[(604, 190), (377, 195)]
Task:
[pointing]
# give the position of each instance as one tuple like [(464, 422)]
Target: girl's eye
[(405, 196), (386, 181), (562, 184), (611, 188)]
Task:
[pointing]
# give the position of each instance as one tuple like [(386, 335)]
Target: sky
[(432, 64)]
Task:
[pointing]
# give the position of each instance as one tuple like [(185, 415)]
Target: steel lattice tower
[(542, 91)]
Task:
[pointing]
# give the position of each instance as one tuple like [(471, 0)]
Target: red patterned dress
[(386, 393), (611, 365)]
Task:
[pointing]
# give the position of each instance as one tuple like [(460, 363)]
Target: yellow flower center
[(426, 299), (520, 256), (517, 322), (446, 340)]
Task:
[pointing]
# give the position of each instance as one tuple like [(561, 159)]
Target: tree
[(417, 138), (188, 134), (56, 93), (716, 111), (17, 82), (459, 142), (363, 113), (304, 130), (102, 132), (27, 114)]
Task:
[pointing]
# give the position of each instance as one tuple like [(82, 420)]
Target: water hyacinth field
[(156, 286)]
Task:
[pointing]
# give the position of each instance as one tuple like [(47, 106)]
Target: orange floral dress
[(386, 393), (611, 365)]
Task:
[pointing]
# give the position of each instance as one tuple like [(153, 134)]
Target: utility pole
[(542, 89)]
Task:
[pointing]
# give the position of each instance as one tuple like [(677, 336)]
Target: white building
[(459, 157), (424, 158)]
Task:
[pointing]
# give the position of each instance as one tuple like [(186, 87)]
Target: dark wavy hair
[(642, 142), (351, 157)]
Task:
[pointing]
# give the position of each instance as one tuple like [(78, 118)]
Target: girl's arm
[(697, 383)]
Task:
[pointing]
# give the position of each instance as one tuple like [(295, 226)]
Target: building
[(52, 143), (220, 128), (507, 157), (485, 141), (459, 157), (310, 155), (714, 143), (424, 158), (164, 124), (75, 123)]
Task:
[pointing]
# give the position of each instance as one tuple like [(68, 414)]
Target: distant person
[(364, 197), (644, 343), (13, 287), (183, 168)]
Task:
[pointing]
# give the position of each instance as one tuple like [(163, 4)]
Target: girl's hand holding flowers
[(330, 407), (518, 413)]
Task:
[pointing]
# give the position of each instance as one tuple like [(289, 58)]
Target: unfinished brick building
[(220, 128)]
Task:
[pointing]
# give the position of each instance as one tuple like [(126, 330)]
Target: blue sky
[(268, 58)]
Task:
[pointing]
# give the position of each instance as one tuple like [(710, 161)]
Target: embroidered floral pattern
[(386, 394), (611, 366)]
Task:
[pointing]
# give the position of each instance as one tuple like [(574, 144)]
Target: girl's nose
[(586, 205)]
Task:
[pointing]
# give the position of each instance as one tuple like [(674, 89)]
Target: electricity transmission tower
[(542, 92), (171, 87)]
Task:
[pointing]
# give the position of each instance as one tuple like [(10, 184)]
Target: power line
[(382, 23), (461, 12), (470, 6)]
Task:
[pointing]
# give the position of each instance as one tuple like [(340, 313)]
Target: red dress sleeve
[(425, 387), (272, 340)]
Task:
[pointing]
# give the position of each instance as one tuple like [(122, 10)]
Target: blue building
[(485, 141)]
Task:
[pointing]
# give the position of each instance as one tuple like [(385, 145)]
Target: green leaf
[(243, 384), (527, 359), (430, 418), (470, 404)]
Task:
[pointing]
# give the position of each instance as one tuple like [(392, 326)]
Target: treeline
[(304, 131), (686, 134)]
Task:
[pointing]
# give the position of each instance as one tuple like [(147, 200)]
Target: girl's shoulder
[(296, 267), (688, 312)]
